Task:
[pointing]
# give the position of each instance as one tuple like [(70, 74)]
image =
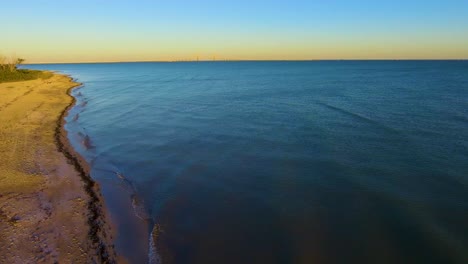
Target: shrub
[(9, 71), (22, 75)]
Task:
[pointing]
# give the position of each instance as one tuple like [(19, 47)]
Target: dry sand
[(50, 210)]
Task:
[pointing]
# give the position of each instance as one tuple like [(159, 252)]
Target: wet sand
[(50, 209)]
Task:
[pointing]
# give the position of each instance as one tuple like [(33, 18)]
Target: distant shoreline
[(192, 61)]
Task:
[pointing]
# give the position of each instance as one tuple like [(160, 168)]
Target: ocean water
[(279, 162)]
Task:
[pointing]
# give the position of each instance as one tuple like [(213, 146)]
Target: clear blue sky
[(101, 30)]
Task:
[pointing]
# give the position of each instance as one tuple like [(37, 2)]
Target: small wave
[(461, 117), (153, 255), (138, 204), (139, 208), (205, 79), (357, 116)]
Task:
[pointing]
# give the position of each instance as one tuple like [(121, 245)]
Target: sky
[(165, 30)]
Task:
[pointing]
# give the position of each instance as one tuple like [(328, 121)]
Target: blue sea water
[(279, 162)]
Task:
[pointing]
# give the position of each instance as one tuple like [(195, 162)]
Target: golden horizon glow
[(104, 52), (295, 30)]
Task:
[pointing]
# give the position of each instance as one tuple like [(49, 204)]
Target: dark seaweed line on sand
[(95, 219)]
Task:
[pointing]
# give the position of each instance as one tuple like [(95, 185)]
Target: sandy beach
[(50, 210)]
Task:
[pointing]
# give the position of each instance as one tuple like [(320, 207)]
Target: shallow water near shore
[(279, 162)]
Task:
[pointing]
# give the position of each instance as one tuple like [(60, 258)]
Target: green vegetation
[(22, 75), (9, 71)]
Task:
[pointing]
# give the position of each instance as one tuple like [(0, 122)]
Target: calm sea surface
[(279, 162)]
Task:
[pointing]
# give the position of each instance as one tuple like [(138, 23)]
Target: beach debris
[(14, 219)]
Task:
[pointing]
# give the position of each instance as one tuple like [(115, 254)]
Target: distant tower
[(198, 58)]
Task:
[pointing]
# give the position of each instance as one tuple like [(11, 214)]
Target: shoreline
[(51, 210), (97, 220), (123, 206)]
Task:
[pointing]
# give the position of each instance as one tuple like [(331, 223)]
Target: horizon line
[(241, 60)]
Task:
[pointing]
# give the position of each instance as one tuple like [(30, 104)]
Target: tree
[(19, 61)]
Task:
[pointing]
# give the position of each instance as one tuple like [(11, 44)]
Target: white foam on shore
[(153, 255)]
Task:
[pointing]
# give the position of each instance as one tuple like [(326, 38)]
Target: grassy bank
[(22, 75)]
